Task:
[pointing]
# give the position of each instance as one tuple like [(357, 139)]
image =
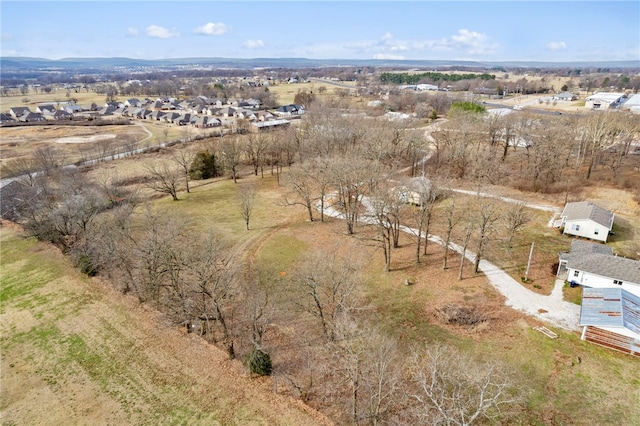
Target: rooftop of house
[(615, 267), (581, 248), (587, 210)]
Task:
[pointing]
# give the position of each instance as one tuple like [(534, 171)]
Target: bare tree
[(256, 147), (452, 218), (381, 204), (454, 389), (598, 130), (23, 169), (369, 363), (351, 176), (468, 231), (303, 186), (164, 179), (48, 159), (247, 195), (516, 217), (215, 288), (231, 155), (427, 193), (319, 170), (327, 284), (488, 213), (184, 158)]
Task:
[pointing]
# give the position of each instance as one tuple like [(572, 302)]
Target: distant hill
[(83, 64)]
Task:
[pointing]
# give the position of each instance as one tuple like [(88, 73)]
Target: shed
[(610, 317)]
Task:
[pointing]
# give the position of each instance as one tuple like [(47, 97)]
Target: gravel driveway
[(551, 309)]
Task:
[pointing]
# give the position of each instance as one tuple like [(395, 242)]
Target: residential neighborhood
[(200, 112)]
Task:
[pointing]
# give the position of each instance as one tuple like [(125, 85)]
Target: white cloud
[(466, 37), (253, 44), (387, 36), (7, 37), (472, 41), (212, 28), (556, 45), (386, 56), (132, 32), (161, 32)]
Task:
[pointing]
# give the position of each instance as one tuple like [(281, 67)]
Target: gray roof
[(580, 248), (615, 267), (5, 117), (587, 210), (610, 307), (565, 95)]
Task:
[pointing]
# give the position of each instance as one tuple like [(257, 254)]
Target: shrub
[(204, 166), (465, 107), (86, 265), (259, 362)]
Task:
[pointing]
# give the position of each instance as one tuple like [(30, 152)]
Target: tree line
[(405, 78)]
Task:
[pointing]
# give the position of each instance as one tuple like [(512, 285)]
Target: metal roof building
[(611, 317)]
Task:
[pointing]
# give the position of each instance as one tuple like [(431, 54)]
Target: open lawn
[(32, 99), (285, 93), (76, 352)]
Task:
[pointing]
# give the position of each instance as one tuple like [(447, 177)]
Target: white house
[(632, 104), (585, 219), (611, 317), (564, 96), (605, 100), (598, 270)]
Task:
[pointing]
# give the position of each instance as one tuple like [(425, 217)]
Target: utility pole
[(526, 274)]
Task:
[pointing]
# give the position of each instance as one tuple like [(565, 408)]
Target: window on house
[(617, 282), (595, 232), (577, 227), (576, 273)]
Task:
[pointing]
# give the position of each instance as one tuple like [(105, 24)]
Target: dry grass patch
[(56, 96), (91, 355)]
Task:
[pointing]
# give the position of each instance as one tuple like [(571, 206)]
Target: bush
[(465, 107), (86, 265), (259, 362), (204, 166)]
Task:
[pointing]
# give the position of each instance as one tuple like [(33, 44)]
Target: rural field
[(105, 347), (92, 354), (76, 351)]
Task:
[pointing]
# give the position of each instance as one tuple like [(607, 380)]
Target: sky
[(556, 31)]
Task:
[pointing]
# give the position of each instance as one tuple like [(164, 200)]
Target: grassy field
[(57, 95), (87, 351), (76, 352)]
